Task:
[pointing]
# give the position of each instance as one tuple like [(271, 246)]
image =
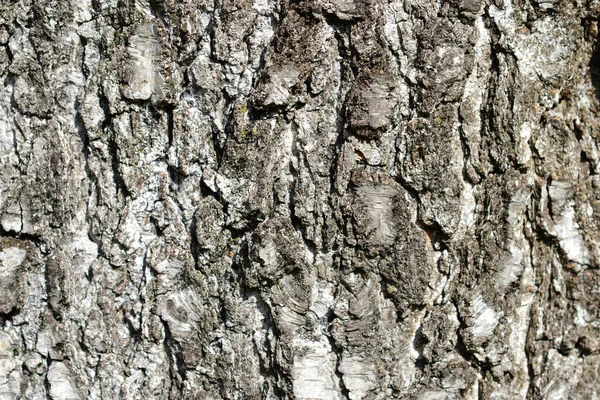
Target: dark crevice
[(466, 151), (177, 367), (265, 371), (194, 248), (439, 239), (112, 147), (8, 316), (134, 333), (92, 179), (583, 350), (219, 151), (595, 69), (83, 41), (36, 239), (81, 340), (10, 57), (158, 230), (544, 236), (484, 367), (46, 381), (239, 233), (338, 351), (113, 150), (49, 292), (385, 291), (208, 192), (530, 371), (419, 343), (169, 110), (175, 175), (461, 347), (268, 365), (346, 75), (297, 222)]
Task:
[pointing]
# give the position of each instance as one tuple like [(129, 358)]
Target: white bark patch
[(566, 228), (61, 387), (434, 395), (374, 214), (486, 319), (181, 310), (280, 85), (512, 264), (564, 373), (359, 376), (142, 68), (571, 242), (582, 318), (322, 299), (7, 361), (523, 149), (11, 279), (313, 371), (519, 326), (262, 6), (82, 10), (12, 218), (467, 210), (518, 338), (11, 258), (545, 52)]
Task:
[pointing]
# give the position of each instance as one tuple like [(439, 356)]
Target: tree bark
[(283, 199)]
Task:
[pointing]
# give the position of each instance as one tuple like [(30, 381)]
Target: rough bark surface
[(280, 199)]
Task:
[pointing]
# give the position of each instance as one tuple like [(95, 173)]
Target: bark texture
[(284, 199)]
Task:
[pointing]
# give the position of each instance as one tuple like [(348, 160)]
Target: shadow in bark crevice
[(595, 69)]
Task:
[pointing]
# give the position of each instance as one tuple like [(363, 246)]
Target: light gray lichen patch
[(142, 69)]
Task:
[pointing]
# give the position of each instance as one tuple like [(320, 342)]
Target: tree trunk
[(283, 199)]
